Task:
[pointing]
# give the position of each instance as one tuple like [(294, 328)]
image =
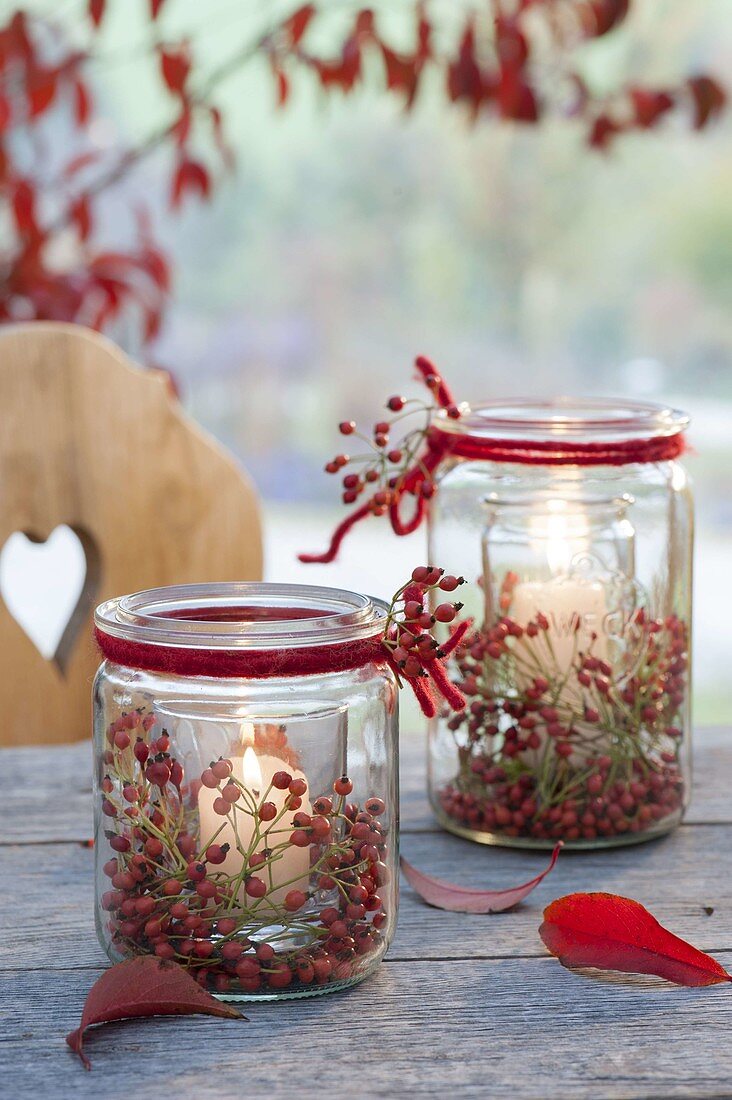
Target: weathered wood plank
[(63, 776), (508, 1028), (52, 895)]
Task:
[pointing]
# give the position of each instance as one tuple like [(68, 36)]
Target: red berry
[(226, 925), (255, 887), (299, 838), (298, 787), (343, 786), (267, 811), (216, 853), (347, 427), (221, 807), (396, 403), (196, 871), (172, 887), (281, 780), (222, 769), (208, 778), (445, 613), (231, 792), (294, 900)]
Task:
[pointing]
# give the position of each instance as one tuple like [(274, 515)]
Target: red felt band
[(548, 452), (247, 664)]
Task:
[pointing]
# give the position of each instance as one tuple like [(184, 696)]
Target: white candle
[(575, 610), (574, 602), (291, 869)]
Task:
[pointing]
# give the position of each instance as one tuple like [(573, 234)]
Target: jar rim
[(567, 418), (238, 615)]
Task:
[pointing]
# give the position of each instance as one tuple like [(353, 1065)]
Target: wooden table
[(469, 1006)]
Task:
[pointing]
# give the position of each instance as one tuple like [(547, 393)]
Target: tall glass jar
[(575, 534), (245, 785)]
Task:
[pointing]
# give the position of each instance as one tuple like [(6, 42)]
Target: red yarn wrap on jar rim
[(142, 631)]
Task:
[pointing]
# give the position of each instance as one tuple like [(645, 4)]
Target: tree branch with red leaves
[(513, 61)]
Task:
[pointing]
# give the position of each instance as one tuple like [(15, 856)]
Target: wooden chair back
[(90, 440)]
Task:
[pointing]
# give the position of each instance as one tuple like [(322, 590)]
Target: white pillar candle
[(575, 611), (291, 869)]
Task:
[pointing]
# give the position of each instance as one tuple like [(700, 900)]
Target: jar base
[(500, 840), (294, 995)]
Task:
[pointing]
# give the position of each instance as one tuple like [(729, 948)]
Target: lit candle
[(290, 869), (575, 605)]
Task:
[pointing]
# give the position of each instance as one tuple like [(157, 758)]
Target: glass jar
[(575, 535), (245, 786)]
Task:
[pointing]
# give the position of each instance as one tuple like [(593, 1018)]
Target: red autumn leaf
[(464, 79), (96, 11), (24, 201), (609, 932), (603, 130), (709, 99), (461, 899), (82, 103), (145, 986), (601, 16), (175, 65), (217, 122), (155, 6), (82, 217), (42, 84), (298, 23), (190, 176), (649, 106), (402, 73), (5, 113)]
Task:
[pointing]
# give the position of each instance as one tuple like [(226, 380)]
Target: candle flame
[(251, 771)]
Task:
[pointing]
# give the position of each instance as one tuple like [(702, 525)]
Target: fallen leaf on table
[(144, 986), (609, 932), (463, 899)]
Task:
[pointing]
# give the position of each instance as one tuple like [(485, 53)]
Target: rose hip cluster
[(408, 634), (383, 467), (579, 755), (170, 898), (597, 806)]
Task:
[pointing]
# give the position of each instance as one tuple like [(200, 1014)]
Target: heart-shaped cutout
[(48, 587)]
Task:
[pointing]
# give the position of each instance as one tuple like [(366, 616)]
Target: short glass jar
[(245, 785), (575, 535)]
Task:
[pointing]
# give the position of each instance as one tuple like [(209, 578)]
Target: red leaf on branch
[(42, 86), (145, 986), (5, 113), (24, 202), (175, 65), (155, 6), (649, 106), (298, 23), (96, 11), (709, 99), (609, 932), (602, 16), (461, 899), (81, 216), (603, 130), (190, 176), (82, 103), (464, 78), (217, 122)]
